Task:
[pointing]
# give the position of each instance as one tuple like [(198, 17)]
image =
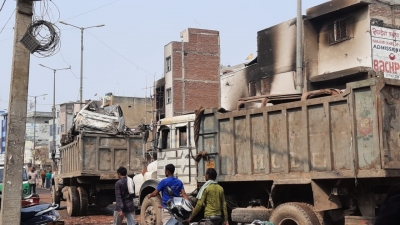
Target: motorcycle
[(39, 214), (30, 200), (34, 214), (179, 208)]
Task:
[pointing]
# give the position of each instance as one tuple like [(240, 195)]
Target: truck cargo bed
[(101, 155), (352, 135)]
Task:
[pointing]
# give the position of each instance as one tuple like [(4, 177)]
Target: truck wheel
[(83, 197), (150, 212), (54, 196), (294, 213), (73, 202), (320, 215), (248, 215)]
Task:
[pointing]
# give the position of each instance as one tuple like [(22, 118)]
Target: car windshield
[(24, 175)]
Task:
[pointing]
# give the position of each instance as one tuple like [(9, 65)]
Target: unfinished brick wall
[(388, 14), (199, 85)]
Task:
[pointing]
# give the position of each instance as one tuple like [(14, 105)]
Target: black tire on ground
[(150, 212), (294, 213), (83, 201), (73, 202), (320, 215), (55, 198), (248, 215)]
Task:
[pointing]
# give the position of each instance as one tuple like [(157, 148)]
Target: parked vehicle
[(87, 171), (315, 161), (39, 214), (330, 159), (179, 208), (30, 200), (25, 184)]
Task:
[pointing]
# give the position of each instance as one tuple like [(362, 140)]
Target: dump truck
[(97, 144), (330, 159), (87, 169)]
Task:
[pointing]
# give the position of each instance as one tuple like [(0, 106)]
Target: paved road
[(102, 217)]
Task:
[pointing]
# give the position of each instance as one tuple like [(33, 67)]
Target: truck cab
[(173, 144)]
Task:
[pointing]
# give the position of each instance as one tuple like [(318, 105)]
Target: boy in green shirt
[(211, 195)]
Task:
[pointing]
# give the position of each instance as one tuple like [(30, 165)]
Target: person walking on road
[(124, 201), (211, 195), (32, 176), (43, 175), (176, 186), (48, 179)]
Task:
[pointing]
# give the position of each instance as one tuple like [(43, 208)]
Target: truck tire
[(55, 198), (248, 215), (320, 215), (73, 202), (150, 212), (294, 213), (83, 201)]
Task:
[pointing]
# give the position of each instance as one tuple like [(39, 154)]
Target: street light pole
[(34, 125), (81, 77), (53, 150)]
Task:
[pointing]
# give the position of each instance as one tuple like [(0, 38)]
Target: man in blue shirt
[(176, 186)]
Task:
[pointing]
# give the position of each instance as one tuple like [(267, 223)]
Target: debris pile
[(93, 119)]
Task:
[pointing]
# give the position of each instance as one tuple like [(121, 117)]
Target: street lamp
[(81, 79), (34, 124), (54, 107)]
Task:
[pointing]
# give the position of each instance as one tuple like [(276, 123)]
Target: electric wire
[(120, 54), (92, 10), (2, 5), (48, 36), (7, 21)]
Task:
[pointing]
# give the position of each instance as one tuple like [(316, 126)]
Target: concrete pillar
[(15, 143)]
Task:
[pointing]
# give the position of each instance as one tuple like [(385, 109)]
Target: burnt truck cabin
[(339, 153)]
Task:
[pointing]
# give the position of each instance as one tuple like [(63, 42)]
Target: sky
[(129, 50)]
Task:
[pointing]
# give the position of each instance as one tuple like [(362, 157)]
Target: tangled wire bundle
[(49, 40)]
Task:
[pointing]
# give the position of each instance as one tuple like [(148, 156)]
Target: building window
[(51, 130), (58, 114), (252, 88), (182, 136), (58, 130), (62, 128), (168, 64), (339, 32), (165, 139), (168, 99), (264, 86)]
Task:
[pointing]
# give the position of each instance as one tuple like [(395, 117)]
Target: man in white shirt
[(32, 176)]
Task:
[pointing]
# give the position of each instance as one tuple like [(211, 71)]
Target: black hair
[(212, 173), (170, 168), (122, 171)]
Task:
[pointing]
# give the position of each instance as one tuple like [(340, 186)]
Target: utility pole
[(17, 108), (53, 146), (81, 80), (34, 127)]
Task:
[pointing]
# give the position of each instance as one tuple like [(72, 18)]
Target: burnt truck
[(326, 157), (97, 144)]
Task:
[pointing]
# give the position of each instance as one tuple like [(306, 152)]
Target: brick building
[(191, 74)]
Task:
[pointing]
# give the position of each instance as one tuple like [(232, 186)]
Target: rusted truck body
[(87, 169), (337, 156)]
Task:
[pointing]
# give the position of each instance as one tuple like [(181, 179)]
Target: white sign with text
[(386, 51)]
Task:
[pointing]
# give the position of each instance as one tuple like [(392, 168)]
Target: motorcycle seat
[(30, 212), (215, 219)]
